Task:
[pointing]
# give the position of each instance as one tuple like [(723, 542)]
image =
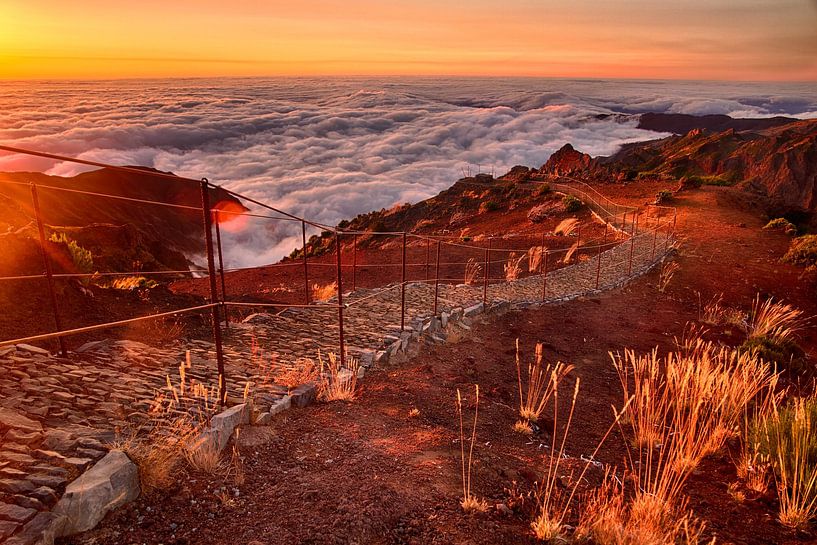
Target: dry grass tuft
[(523, 426), (204, 457), (570, 252), (668, 270), (536, 256), (159, 454), (513, 268), (325, 292), (775, 320), (538, 385), (566, 227), (716, 313), (788, 439), (472, 272), (338, 383), (302, 371), (469, 502)]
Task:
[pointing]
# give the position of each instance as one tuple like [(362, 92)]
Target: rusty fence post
[(341, 338), (306, 262), (487, 271), (428, 256), (655, 239), (49, 273), (598, 267), (211, 272), (632, 244), (403, 287), (544, 275), (221, 269), (437, 278), (354, 262)]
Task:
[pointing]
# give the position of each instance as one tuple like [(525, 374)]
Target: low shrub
[(488, 206), (542, 190), (83, 259), (571, 204), (663, 196), (781, 224), (783, 353), (788, 439), (803, 251)]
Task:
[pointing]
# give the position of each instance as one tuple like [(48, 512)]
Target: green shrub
[(542, 190), (724, 179), (571, 204), (783, 354), (663, 196), (489, 206), (781, 224), (787, 439), (82, 258), (803, 251)]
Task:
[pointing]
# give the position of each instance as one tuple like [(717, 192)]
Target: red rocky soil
[(368, 472)]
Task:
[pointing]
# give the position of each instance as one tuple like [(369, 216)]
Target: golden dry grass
[(337, 383), (566, 227), (302, 371), (775, 320), (538, 384), (513, 268), (668, 271), (324, 292), (469, 502), (473, 270), (536, 256)]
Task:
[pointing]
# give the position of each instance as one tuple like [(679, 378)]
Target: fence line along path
[(59, 414)]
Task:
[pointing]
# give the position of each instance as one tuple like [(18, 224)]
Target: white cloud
[(330, 149)]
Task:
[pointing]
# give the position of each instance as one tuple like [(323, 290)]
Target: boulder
[(112, 482)]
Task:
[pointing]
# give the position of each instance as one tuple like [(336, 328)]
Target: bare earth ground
[(369, 473)]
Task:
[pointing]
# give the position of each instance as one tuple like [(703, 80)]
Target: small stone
[(77, 463), (9, 511), (33, 349), (22, 437), (58, 440), (49, 455), (28, 502), (45, 495), (16, 486), (7, 528), (13, 419), (51, 481)]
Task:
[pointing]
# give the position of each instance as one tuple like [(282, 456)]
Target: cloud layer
[(329, 149)]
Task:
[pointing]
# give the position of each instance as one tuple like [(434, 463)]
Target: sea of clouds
[(328, 149)]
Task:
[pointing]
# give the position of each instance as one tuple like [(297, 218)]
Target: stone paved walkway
[(58, 416)]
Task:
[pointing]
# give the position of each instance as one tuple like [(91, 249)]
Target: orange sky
[(685, 39)]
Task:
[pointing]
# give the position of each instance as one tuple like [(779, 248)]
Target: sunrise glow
[(719, 39)]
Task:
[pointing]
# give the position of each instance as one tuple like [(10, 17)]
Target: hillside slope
[(778, 164)]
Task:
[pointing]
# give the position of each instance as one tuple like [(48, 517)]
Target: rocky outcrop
[(566, 161)]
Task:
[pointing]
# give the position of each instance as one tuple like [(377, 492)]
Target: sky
[(733, 40)]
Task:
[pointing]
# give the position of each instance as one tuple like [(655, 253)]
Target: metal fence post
[(545, 276), (211, 271), (49, 273), (403, 288), (221, 268), (354, 262), (306, 265), (341, 337), (428, 256), (598, 267), (437, 278), (655, 239), (487, 273), (632, 245)]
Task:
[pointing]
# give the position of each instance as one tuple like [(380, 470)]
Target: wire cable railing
[(541, 253)]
